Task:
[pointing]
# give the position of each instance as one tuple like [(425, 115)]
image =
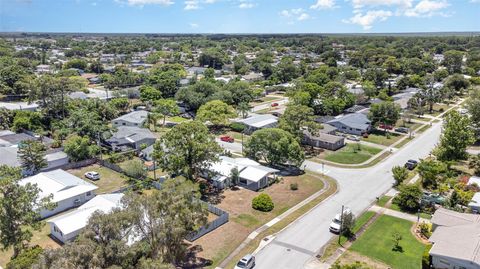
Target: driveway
[(234, 147), (293, 247)]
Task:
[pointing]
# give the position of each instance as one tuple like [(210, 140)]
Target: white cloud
[(194, 25), (245, 4), (303, 16), (298, 14), (196, 4), (474, 1), (366, 20), (323, 4), (427, 8), (399, 3), (147, 2)]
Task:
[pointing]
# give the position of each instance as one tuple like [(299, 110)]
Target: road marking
[(296, 248)]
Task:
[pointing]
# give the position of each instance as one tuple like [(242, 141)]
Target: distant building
[(67, 190), (133, 119)]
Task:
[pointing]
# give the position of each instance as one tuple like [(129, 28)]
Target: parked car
[(247, 262), (92, 175), (411, 164), (385, 126), (404, 130), (353, 138), (433, 198), (227, 138), (336, 222), (274, 104)]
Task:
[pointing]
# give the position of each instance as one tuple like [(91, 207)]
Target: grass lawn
[(379, 137), (422, 214), (383, 200), (351, 155), (410, 125), (377, 243), (423, 128), (109, 180), (40, 238), (218, 244), (404, 142), (437, 109), (176, 119)]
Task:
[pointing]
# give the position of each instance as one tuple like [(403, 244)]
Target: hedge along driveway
[(377, 243)]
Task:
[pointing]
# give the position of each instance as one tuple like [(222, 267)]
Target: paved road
[(358, 188), (281, 101)]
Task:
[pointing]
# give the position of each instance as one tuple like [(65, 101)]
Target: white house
[(258, 121), (132, 119), (66, 227), (252, 175), (67, 190)]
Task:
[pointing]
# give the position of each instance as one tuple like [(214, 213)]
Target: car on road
[(92, 175), (247, 262), (404, 130), (385, 126), (336, 223), (353, 138), (227, 138), (274, 104), (411, 164)]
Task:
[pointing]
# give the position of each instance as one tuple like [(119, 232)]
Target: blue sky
[(239, 16)]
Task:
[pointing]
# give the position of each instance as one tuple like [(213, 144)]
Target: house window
[(445, 262), (89, 193), (123, 123), (243, 181)]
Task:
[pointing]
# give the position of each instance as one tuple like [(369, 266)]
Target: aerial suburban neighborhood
[(257, 149)]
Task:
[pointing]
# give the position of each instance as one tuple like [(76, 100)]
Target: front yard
[(379, 137), (352, 153), (376, 243), (243, 219), (109, 180)]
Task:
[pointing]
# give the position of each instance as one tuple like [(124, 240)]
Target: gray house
[(130, 138), (258, 121), (323, 140), (356, 124), (455, 240), (134, 119)]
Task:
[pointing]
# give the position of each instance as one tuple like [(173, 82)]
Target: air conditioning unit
[(77, 202)]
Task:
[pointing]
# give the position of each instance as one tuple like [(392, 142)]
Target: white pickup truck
[(335, 225)]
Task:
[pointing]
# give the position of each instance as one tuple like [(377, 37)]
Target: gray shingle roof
[(355, 120), (138, 117)]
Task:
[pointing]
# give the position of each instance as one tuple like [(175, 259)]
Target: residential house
[(135, 119), (252, 77), (19, 106), (323, 140), (67, 190), (258, 121), (252, 175), (126, 138), (475, 203), (356, 124), (455, 240), (67, 227)]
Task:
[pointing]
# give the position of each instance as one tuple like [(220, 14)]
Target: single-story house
[(19, 106), (355, 123), (323, 140), (147, 153), (252, 77), (258, 121), (67, 190), (252, 175), (130, 138), (455, 240), (67, 227), (475, 203), (135, 119)]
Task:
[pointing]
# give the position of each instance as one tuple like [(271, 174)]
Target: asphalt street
[(293, 247)]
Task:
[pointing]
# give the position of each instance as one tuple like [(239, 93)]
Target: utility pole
[(341, 226)]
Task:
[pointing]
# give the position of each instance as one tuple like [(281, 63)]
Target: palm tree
[(243, 109)]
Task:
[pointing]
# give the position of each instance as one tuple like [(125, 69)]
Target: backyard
[(352, 153), (243, 219), (109, 180), (377, 243)]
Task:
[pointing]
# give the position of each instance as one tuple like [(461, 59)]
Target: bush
[(237, 127), (425, 229), (263, 202), (26, 258), (294, 186), (426, 257), (135, 168)]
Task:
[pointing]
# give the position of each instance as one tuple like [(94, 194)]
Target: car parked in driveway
[(385, 126), (353, 138), (227, 138), (411, 164), (433, 198), (404, 130), (274, 104), (247, 262), (92, 175)]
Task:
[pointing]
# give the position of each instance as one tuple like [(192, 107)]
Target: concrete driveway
[(297, 244)]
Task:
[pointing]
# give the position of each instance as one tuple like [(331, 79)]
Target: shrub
[(135, 168), (237, 127), (425, 229), (26, 258), (294, 186), (426, 257), (263, 202)]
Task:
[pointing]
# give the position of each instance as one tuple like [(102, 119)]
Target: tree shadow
[(192, 260), (212, 195), (397, 249)]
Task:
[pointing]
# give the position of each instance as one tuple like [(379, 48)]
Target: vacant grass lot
[(109, 180), (377, 243), (218, 244), (379, 137), (351, 154)]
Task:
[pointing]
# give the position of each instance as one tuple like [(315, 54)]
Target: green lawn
[(379, 137), (351, 155), (403, 143), (359, 222), (377, 243), (410, 125), (422, 214), (383, 200), (109, 180), (176, 119)]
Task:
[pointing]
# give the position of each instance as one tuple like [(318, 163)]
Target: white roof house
[(475, 203), (252, 175), (66, 227), (67, 190), (258, 121)]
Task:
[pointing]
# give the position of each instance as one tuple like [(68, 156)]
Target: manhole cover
[(288, 249)]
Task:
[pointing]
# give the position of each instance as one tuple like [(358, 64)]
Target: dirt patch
[(350, 257)]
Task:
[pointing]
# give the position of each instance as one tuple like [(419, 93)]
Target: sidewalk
[(397, 214), (269, 224)]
